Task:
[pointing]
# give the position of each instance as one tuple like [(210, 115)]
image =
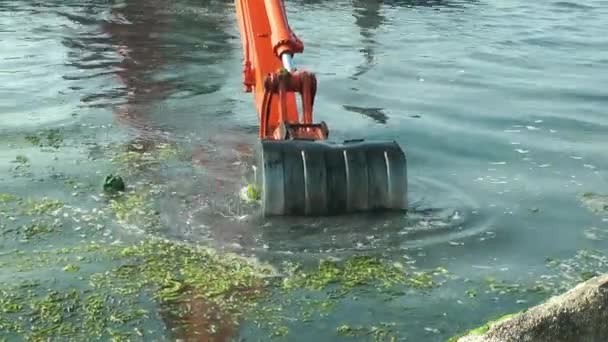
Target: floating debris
[(22, 169), (596, 234), (250, 193), (7, 198), (47, 138), (596, 203), (378, 333), (113, 184)]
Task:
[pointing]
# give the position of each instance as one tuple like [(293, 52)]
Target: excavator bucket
[(318, 177)]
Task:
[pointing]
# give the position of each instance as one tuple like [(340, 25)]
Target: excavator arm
[(299, 171), (269, 45)]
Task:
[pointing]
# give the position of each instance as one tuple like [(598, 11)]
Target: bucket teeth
[(310, 178)]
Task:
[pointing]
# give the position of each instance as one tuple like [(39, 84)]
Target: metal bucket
[(319, 178)]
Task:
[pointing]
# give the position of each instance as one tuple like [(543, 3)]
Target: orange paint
[(265, 36)]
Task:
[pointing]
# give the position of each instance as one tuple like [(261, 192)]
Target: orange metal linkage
[(265, 36)]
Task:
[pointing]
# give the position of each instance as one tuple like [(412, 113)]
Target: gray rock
[(579, 315)]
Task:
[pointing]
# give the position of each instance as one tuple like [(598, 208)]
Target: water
[(500, 107)]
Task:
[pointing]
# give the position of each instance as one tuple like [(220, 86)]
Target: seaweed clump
[(27, 218), (50, 138), (136, 209), (136, 157), (360, 271), (379, 333)]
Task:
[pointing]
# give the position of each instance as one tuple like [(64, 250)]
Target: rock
[(579, 315)]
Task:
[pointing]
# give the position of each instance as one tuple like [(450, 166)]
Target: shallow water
[(500, 108)]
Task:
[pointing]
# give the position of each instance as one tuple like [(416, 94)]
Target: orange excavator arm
[(269, 45)]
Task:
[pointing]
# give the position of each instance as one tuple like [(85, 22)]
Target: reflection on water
[(135, 30), (368, 18), (375, 113)]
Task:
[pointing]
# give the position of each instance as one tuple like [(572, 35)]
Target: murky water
[(500, 107)]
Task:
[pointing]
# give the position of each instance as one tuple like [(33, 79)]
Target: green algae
[(28, 218), (22, 167), (21, 159), (33, 139), (356, 271), (253, 192), (174, 275), (172, 270), (132, 160), (137, 208), (379, 333), (250, 193), (54, 138), (564, 274), (168, 151), (347, 330), (65, 314), (47, 138), (584, 265), (359, 271), (129, 206), (120, 290), (25, 262), (138, 282), (173, 288), (503, 287), (134, 157), (472, 293), (595, 203), (483, 329), (71, 268), (168, 273), (6, 198), (41, 206), (279, 331), (36, 229)]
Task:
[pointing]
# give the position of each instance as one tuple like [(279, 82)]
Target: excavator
[(298, 170)]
